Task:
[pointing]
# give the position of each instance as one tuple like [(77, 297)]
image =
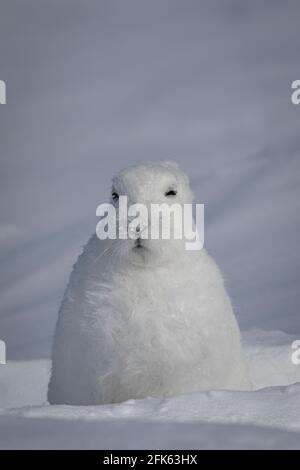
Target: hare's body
[(155, 321)]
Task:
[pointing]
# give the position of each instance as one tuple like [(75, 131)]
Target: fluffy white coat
[(153, 321)]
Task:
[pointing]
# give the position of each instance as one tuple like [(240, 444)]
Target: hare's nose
[(137, 231)]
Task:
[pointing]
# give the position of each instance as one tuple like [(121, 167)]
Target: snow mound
[(274, 407), (24, 383), (46, 433), (269, 354), (265, 418)]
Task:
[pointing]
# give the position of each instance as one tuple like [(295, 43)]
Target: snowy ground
[(265, 418), (93, 86)]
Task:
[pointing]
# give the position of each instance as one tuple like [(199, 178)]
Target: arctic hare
[(148, 318)]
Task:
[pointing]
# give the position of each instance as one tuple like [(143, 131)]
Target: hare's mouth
[(138, 244)]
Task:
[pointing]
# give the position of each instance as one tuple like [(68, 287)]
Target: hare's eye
[(171, 192), (115, 196)]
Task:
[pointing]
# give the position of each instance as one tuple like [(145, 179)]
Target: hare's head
[(151, 188)]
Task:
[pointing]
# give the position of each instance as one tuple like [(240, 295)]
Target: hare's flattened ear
[(170, 164)]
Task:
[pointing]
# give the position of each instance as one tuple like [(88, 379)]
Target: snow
[(206, 84), (26, 433), (269, 357), (23, 383), (265, 418), (94, 86)]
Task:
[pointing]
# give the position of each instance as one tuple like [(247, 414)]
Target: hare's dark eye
[(171, 192), (115, 196)]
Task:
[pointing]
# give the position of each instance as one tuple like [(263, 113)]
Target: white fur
[(150, 322)]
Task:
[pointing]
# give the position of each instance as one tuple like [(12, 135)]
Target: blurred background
[(93, 86)]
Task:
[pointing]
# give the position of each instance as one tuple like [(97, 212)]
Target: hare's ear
[(170, 164)]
